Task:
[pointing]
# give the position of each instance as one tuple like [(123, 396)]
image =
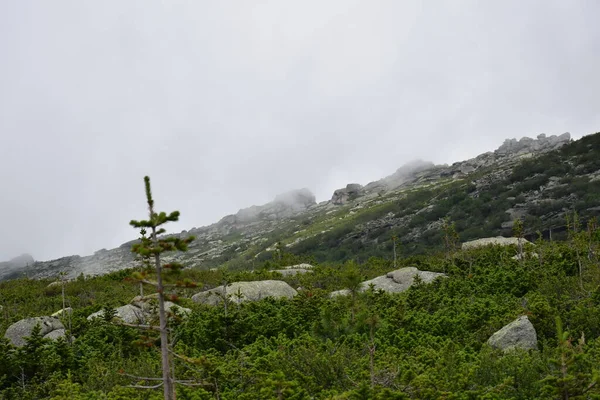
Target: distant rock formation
[(518, 334), (529, 145), (406, 173), (252, 228), (284, 206), (350, 192), (14, 267), (97, 264), (509, 150)]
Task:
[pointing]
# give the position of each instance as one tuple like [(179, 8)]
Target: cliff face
[(359, 217)]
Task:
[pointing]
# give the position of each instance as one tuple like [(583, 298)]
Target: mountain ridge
[(297, 219)]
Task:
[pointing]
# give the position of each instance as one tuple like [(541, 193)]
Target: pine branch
[(144, 387), (589, 387), (194, 384), (140, 378)]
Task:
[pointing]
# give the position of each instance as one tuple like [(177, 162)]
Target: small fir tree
[(150, 248)]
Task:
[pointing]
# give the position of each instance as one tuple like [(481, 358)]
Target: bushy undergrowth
[(426, 343)]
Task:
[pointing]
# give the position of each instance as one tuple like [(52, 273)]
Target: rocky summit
[(536, 180)]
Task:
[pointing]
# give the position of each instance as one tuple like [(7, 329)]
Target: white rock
[(518, 334), (396, 281), (239, 292), (494, 241)]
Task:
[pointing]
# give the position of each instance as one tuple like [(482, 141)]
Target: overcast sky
[(225, 104)]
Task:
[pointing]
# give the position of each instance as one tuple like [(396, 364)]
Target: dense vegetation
[(426, 343)]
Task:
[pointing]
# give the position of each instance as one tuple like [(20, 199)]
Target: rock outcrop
[(142, 310), (494, 241), (518, 334), (528, 145), (295, 269), (284, 206), (149, 305), (51, 328), (15, 267), (396, 281), (239, 292), (128, 313), (350, 192)]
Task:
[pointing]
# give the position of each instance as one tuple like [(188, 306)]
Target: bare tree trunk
[(63, 294), (372, 357), (394, 253), (169, 390)]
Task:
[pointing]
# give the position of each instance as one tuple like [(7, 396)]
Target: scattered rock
[(128, 313), (56, 334), (239, 292), (141, 310), (299, 266), (295, 269), (396, 281), (22, 329), (292, 272), (518, 334), (496, 241), (149, 305)]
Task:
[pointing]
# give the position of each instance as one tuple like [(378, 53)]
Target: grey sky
[(227, 103)]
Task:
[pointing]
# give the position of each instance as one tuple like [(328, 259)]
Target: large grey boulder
[(396, 281), (56, 334), (239, 292), (128, 313), (143, 310), (518, 334), (494, 241), (51, 328)]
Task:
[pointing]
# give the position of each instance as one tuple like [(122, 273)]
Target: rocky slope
[(538, 180)]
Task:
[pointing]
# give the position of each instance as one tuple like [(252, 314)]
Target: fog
[(226, 104)]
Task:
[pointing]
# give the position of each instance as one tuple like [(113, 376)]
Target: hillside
[(513, 320), (430, 341), (536, 180)]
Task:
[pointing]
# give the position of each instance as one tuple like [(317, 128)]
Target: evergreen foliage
[(428, 342)]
